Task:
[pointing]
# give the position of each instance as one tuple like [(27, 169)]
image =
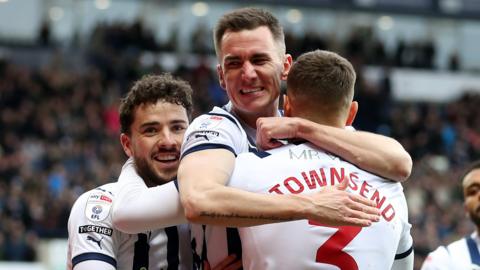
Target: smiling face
[(252, 66), (155, 139), (471, 192)]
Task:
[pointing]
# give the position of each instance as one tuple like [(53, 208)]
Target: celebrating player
[(250, 49), (154, 116), (463, 253), (320, 88)]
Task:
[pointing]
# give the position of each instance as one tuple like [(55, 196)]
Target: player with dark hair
[(154, 116), (320, 88), (463, 253), (252, 64)]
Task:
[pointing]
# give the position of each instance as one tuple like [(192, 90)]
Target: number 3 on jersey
[(331, 252)]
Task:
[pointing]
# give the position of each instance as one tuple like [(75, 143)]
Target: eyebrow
[(235, 57), (472, 186), (153, 123)]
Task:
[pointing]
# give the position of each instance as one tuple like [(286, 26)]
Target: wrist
[(302, 206)]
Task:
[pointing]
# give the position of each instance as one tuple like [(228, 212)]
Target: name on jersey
[(308, 154), (95, 229), (311, 180)]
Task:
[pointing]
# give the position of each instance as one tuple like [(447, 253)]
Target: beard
[(148, 174), (475, 217)]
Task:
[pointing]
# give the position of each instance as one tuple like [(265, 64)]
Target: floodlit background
[(64, 64)]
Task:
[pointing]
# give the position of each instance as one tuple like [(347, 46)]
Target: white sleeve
[(439, 259), (97, 265), (213, 131), (404, 254), (138, 208), (405, 263), (91, 237)]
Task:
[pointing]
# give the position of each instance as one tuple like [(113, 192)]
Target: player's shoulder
[(94, 205), (458, 245), (216, 117)]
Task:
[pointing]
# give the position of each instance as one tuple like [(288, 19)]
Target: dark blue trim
[(259, 153), (175, 182), (228, 117), (404, 254), (204, 245), (172, 248), (207, 146), (141, 252), (234, 243), (473, 249), (93, 256)]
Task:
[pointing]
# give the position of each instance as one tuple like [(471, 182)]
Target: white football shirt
[(306, 244), (460, 255), (94, 241), (218, 129)]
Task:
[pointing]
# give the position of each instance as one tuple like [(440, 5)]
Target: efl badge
[(98, 206)]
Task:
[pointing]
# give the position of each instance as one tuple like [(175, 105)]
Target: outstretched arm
[(202, 177), (372, 152), (137, 208)]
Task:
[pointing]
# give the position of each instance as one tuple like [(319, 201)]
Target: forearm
[(138, 208), (372, 152), (205, 198), (237, 208)]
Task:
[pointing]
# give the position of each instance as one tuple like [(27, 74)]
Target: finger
[(344, 184), (225, 262), (361, 214), (355, 222), (363, 200), (272, 143), (235, 266), (206, 265)]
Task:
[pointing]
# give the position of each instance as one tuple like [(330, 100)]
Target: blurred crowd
[(60, 132)]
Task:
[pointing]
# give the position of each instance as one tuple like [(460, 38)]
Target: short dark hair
[(322, 77), (248, 19), (473, 166), (149, 90)]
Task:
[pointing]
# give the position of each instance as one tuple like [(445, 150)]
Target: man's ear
[(126, 144), (221, 80), (352, 113), (287, 106), (287, 64)]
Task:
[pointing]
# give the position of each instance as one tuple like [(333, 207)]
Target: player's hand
[(229, 263), (272, 129), (334, 206)]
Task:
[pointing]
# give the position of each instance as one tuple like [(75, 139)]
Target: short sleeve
[(215, 131), (90, 231)]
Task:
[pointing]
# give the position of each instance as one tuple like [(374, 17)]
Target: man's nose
[(248, 71), (167, 140)]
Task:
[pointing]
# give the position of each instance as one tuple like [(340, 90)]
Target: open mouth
[(250, 91), (166, 158)]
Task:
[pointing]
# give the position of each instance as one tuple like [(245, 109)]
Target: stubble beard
[(148, 174)]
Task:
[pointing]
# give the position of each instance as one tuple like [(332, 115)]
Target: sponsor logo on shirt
[(211, 122), (203, 135), (105, 198), (97, 241), (98, 206), (95, 229)]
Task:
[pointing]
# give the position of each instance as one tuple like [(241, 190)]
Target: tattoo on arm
[(233, 215)]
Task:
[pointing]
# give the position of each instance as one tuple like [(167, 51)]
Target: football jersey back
[(307, 244)]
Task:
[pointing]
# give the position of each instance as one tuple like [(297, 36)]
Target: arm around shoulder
[(138, 208), (372, 152)]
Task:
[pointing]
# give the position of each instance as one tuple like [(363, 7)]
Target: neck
[(323, 119)]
